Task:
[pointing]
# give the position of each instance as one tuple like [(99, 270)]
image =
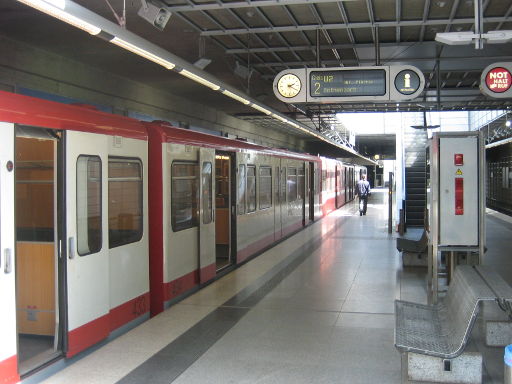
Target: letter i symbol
[(407, 80)]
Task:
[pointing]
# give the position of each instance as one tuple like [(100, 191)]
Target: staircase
[(415, 144)]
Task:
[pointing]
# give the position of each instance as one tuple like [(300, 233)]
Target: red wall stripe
[(9, 370)]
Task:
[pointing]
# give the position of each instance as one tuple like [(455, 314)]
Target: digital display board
[(347, 83)]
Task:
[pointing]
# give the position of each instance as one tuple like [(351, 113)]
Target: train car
[(106, 220), (235, 197), (75, 235)]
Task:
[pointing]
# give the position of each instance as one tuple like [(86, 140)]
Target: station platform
[(316, 308)]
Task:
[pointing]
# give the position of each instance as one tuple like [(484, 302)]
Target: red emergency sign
[(498, 80)]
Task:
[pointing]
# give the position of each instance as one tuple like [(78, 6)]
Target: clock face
[(288, 85)]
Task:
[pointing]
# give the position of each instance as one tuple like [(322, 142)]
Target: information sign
[(369, 82), (349, 84), (407, 82)]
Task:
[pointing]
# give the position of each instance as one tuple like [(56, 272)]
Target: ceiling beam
[(380, 24), (426, 10), (240, 4), (312, 63), (398, 13), (236, 51)]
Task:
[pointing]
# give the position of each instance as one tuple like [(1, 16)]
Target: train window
[(300, 184), (265, 187), (251, 188), (184, 196), (124, 201), (88, 205), (241, 189), (292, 184), (206, 180)]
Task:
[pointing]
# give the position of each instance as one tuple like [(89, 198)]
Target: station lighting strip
[(59, 10)]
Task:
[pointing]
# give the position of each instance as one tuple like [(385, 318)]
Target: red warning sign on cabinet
[(498, 80)]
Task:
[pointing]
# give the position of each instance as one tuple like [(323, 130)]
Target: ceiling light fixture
[(142, 52), (261, 109), (236, 97), (478, 36), (56, 8), (199, 79)]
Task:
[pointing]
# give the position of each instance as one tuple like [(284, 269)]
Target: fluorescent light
[(261, 109), (280, 118), (199, 79), (236, 97), (56, 8), (142, 52)]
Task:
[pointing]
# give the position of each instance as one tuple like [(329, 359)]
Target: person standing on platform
[(363, 191)]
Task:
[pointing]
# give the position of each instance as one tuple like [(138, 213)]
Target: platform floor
[(317, 308)]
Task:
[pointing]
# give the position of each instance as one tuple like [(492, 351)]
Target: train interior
[(36, 234), (223, 220)]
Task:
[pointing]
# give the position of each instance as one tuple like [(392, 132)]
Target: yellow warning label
[(459, 172)]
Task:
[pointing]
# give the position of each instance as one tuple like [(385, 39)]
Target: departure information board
[(347, 83)]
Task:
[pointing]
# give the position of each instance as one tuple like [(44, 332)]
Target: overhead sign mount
[(348, 84)]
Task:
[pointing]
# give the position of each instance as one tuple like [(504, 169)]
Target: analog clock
[(289, 85)]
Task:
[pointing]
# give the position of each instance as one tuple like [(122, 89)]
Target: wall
[(29, 67)]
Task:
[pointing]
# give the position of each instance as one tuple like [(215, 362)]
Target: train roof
[(36, 112), (170, 134)]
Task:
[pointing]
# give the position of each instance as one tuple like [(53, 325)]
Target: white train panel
[(129, 268), (87, 233), (8, 360)]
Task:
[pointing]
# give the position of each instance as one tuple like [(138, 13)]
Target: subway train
[(107, 220), (499, 178)]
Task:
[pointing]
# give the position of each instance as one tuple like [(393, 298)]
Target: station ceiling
[(249, 42)]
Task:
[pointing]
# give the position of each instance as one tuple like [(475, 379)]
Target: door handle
[(7, 260), (71, 247)]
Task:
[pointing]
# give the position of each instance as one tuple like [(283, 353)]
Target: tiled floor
[(317, 308)]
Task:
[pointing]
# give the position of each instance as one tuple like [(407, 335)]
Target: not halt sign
[(496, 80)]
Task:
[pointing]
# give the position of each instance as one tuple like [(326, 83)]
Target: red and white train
[(106, 220)]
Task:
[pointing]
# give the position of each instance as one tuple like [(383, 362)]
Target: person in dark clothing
[(363, 191)]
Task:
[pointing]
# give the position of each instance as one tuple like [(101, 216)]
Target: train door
[(277, 201), (225, 231), (38, 273), (311, 192), (86, 239), (304, 171), (337, 186), (283, 203), (206, 213), (8, 358)]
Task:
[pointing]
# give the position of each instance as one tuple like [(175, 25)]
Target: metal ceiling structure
[(249, 42)]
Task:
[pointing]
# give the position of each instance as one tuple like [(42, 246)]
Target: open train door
[(87, 239), (8, 358), (206, 215)]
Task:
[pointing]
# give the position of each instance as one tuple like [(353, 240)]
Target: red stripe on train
[(9, 370), (87, 335), (186, 282), (129, 311), (265, 242)]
